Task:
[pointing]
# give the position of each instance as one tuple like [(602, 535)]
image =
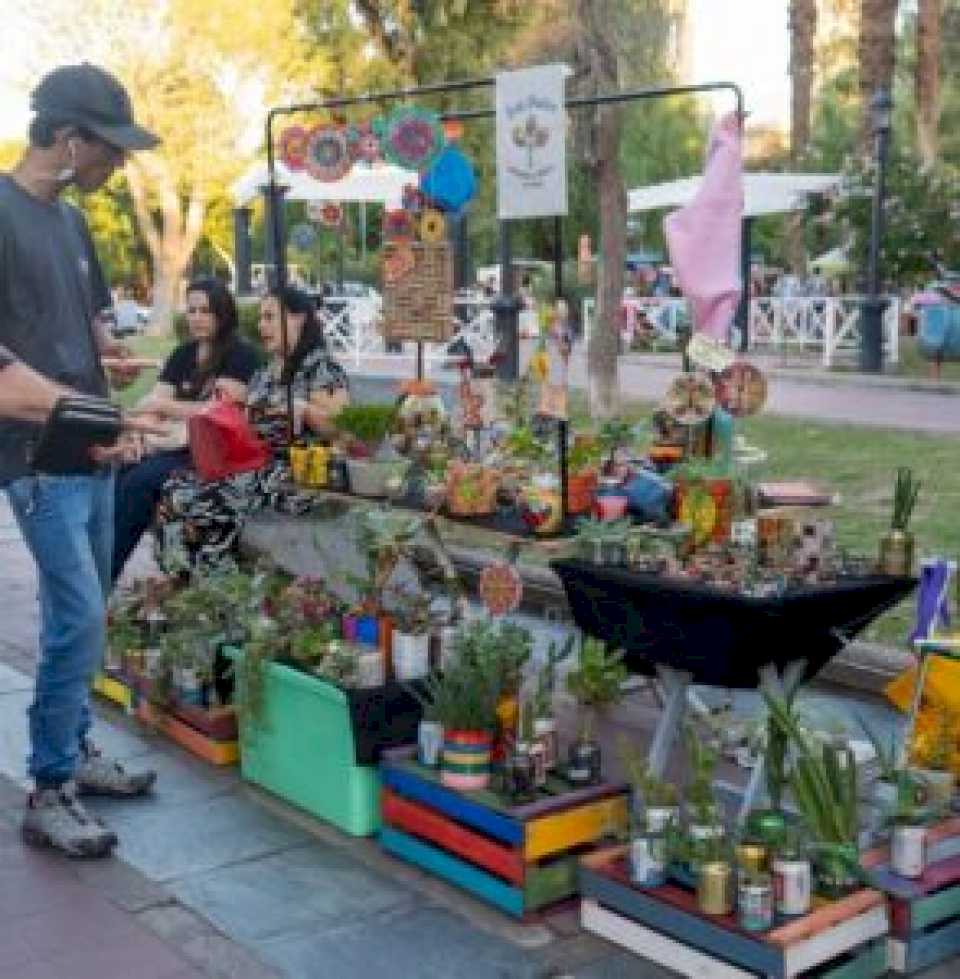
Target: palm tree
[(927, 82), (803, 30), (877, 56)]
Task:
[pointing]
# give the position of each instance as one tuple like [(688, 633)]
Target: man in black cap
[(52, 292)]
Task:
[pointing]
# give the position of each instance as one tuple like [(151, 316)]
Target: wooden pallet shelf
[(519, 858), (841, 939)]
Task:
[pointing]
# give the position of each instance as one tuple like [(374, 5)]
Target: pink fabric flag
[(703, 238)]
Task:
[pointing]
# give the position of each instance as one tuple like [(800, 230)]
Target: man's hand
[(114, 352), (127, 449)]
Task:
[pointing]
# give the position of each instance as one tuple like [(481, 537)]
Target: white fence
[(353, 328), (830, 324)]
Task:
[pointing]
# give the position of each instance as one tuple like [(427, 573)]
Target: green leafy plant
[(615, 433), (905, 493), (463, 698), (886, 754), (367, 423), (547, 676), (584, 455), (503, 649), (593, 531), (655, 792), (701, 765), (596, 681), (523, 444)]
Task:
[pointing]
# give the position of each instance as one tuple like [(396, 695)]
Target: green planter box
[(303, 751)]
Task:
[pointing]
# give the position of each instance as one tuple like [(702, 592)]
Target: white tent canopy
[(382, 184), (764, 193)]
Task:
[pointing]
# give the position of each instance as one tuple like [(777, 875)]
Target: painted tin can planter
[(715, 888), (429, 743), (792, 885), (465, 762), (648, 860), (411, 655), (908, 851), (584, 763), (752, 859), (657, 818), (755, 903), (367, 630), (545, 734)]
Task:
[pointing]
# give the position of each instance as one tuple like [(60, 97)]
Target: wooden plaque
[(418, 302)]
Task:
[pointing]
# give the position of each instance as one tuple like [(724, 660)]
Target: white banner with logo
[(531, 142)]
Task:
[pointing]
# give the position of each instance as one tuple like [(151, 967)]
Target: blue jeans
[(139, 488), (67, 522)]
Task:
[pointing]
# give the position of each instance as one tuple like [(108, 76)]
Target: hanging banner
[(531, 142)]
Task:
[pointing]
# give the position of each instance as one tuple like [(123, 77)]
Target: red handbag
[(222, 441)]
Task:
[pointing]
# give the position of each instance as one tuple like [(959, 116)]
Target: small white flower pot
[(429, 743), (657, 818), (411, 655)]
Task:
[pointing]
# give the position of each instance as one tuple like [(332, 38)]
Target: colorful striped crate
[(520, 858), (841, 939), (924, 912)]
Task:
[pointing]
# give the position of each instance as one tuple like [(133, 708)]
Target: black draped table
[(687, 632)]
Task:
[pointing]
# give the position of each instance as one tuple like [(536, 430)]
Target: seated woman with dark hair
[(213, 362), (199, 523)]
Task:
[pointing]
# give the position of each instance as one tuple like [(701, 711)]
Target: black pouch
[(76, 424)]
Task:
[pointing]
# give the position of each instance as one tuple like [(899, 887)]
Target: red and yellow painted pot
[(465, 761)]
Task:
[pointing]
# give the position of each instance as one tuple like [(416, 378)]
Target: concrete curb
[(817, 377)]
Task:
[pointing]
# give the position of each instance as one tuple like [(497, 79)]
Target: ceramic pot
[(429, 743), (411, 655), (465, 760), (371, 668), (896, 553), (610, 507), (367, 630)]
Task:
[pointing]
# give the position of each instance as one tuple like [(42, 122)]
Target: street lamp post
[(873, 304)]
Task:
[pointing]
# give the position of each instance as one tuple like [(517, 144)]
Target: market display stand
[(687, 632), (519, 858), (209, 733), (924, 912), (841, 939)]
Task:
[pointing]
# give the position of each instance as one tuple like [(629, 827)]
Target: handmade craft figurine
[(553, 391)]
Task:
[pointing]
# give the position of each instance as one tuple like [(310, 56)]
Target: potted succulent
[(654, 797), (823, 783), (371, 463), (603, 542), (704, 500), (896, 546), (582, 461), (411, 636), (595, 684), (885, 789)]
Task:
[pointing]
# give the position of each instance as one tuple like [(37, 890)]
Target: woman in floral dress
[(199, 523)]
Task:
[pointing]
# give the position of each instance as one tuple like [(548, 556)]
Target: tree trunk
[(927, 80), (877, 56), (604, 347), (171, 233), (803, 32)]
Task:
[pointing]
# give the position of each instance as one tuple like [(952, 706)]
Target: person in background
[(52, 292), (214, 362), (199, 524)]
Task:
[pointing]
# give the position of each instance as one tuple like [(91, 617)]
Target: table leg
[(675, 684)]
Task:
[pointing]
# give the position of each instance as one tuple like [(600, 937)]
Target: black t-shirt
[(51, 288), (239, 364)]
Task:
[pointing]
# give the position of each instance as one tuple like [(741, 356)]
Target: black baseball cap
[(93, 99)]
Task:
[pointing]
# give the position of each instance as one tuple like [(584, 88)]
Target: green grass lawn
[(860, 464)]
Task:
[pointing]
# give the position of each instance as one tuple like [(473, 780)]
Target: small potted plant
[(595, 684), (471, 489), (615, 437), (371, 463), (885, 790), (411, 636), (545, 723), (703, 817), (603, 542), (654, 797), (583, 462), (429, 730), (523, 770), (896, 546)]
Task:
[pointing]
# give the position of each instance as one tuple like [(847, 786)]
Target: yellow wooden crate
[(565, 830)]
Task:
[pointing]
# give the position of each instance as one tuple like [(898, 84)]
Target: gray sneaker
[(97, 775), (57, 818)]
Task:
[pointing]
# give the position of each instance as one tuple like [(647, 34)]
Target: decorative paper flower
[(433, 228), (365, 143), (413, 199), (451, 181), (293, 147), (413, 138), (398, 262), (328, 155), (398, 225)]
